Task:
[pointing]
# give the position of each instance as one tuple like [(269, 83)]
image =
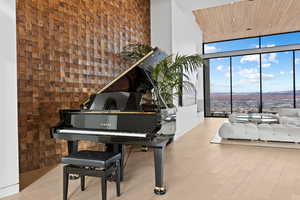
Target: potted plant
[(171, 74)]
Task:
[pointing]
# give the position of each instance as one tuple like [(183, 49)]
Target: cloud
[(297, 61), (210, 49), (250, 58), (248, 71), (227, 75), (266, 65), (252, 75), (285, 73), (249, 81), (269, 58), (273, 58), (270, 45), (220, 67), (267, 76)]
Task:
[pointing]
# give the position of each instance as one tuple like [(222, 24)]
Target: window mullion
[(260, 84), (230, 62), (294, 78)]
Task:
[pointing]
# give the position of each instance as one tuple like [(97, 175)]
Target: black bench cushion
[(91, 158)]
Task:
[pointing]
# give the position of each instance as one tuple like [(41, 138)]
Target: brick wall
[(67, 50)]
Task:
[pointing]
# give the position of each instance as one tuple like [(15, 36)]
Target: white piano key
[(104, 133)]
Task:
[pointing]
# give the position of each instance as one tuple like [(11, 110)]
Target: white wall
[(9, 170), (161, 14), (186, 40), (174, 29), (187, 36)]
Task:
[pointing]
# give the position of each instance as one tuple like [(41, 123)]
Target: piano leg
[(159, 170), (118, 148)]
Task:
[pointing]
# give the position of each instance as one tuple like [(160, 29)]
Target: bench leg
[(82, 182), (118, 148), (73, 148), (118, 178), (104, 188), (65, 184)]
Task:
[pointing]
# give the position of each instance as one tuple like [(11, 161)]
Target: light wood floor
[(195, 170)]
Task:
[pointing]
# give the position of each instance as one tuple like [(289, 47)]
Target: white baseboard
[(9, 190)]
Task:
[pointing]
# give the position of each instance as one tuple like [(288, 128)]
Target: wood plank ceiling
[(248, 18)]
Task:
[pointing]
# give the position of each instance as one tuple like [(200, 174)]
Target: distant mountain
[(257, 93)]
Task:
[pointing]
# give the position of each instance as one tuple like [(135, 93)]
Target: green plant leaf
[(171, 74)]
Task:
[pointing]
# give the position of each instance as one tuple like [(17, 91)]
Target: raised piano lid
[(137, 78)]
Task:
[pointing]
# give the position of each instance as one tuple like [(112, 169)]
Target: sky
[(277, 68)]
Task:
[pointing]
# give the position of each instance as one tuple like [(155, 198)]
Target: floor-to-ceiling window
[(277, 81), (245, 83), (258, 74), (220, 102)]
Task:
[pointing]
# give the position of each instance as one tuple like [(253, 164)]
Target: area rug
[(289, 145)]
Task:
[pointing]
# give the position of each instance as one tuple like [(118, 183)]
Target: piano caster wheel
[(73, 177), (144, 149), (160, 190)]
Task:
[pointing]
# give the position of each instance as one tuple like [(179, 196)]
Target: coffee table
[(256, 118)]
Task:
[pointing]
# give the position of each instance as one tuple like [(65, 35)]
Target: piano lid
[(138, 77)]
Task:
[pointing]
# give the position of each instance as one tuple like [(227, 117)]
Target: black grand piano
[(129, 110)]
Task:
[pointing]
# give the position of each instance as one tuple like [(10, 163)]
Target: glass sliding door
[(220, 101), (277, 81), (246, 83)]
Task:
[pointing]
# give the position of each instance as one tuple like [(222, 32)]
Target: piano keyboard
[(104, 133)]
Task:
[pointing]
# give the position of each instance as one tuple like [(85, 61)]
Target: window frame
[(206, 81), (260, 45)]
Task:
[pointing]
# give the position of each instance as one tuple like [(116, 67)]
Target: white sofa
[(289, 116), (288, 129)]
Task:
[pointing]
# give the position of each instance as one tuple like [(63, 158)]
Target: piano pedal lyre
[(73, 177)]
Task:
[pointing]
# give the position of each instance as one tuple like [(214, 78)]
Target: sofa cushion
[(281, 132), (294, 121), (288, 112), (238, 131), (265, 131), (225, 130), (298, 113)]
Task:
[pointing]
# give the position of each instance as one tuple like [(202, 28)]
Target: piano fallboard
[(137, 123)]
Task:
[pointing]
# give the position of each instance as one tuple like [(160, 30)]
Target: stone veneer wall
[(67, 50)]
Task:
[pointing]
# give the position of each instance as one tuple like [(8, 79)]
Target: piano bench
[(92, 163)]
